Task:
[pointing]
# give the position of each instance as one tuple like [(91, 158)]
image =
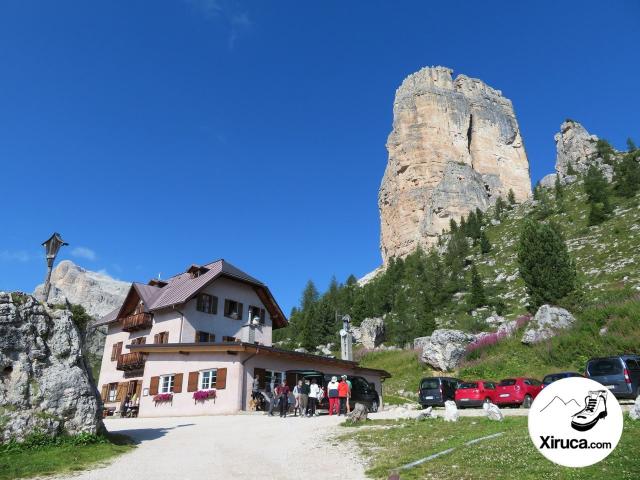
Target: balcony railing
[(137, 321), (130, 361)]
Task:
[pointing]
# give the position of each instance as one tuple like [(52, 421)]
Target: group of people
[(305, 397)]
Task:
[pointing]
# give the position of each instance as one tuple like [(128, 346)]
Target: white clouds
[(21, 256), (226, 12), (84, 252)]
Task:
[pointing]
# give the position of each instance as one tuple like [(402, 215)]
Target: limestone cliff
[(45, 384), (455, 146)]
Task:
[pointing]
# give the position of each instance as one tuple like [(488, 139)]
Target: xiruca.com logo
[(575, 422)]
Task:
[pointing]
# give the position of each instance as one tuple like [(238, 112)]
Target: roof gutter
[(244, 379)]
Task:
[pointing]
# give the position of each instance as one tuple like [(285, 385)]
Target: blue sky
[(154, 135)]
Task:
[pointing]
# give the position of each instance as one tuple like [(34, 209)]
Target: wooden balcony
[(137, 321), (130, 361)]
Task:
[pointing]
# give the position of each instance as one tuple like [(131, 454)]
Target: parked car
[(437, 390), (518, 391), (552, 377), (620, 374), (474, 394)]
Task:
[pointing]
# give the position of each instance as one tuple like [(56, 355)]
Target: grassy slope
[(48, 460), (607, 258), (509, 456)]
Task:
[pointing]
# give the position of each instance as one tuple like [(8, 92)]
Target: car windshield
[(468, 385), (605, 366), (508, 382), (430, 384)]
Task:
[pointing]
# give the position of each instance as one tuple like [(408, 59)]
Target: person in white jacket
[(314, 397), (332, 393)]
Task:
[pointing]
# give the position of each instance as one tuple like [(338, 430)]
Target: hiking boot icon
[(595, 408)]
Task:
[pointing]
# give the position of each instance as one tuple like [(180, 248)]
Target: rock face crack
[(455, 146)]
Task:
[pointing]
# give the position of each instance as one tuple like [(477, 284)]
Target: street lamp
[(52, 247)]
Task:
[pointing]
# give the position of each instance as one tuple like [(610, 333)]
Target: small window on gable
[(207, 303), (257, 312), (233, 309), (162, 337), (205, 337)]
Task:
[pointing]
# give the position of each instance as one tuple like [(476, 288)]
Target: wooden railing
[(130, 361), (137, 321)]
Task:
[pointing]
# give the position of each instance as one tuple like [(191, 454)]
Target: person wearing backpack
[(332, 391)]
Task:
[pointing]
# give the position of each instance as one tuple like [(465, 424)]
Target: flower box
[(202, 395), (163, 397)]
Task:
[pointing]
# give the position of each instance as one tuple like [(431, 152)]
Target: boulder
[(546, 322), (420, 342), (508, 329), (45, 383), (634, 413), (426, 413), (451, 411), (301, 350), (370, 333), (446, 348), (493, 412), (549, 181), (494, 320)]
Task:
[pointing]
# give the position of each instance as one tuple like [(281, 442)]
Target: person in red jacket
[(343, 394), (282, 393)]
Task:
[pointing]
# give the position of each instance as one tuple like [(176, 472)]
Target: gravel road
[(246, 446)]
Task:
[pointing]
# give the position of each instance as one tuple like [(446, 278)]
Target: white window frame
[(274, 374), (210, 385), (112, 393), (166, 383)]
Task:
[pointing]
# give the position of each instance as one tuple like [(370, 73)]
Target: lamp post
[(52, 247)]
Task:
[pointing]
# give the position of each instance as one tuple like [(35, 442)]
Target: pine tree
[(453, 226), (485, 245), (544, 263), (480, 216), (478, 298), (499, 208), (604, 150), (627, 176), (536, 191), (631, 145), (511, 197), (571, 170), (544, 208), (597, 190)]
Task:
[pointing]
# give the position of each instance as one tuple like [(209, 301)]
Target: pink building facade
[(193, 344)]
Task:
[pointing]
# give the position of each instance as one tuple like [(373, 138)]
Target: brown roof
[(252, 348), (182, 287)]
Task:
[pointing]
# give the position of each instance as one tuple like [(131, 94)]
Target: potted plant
[(202, 395), (163, 398)]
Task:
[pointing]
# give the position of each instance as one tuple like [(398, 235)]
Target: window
[(208, 379), (489, 385), (166, 383), (162, 337), (116, 350), (232, 309), (139, 341), (359, 384), (205, 337), (273, 378), (113, 392), (226, 338), (207, 303), (257, 312)]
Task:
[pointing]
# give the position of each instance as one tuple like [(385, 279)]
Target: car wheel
[(374, 406), (526, 403)]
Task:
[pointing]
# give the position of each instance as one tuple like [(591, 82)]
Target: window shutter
[(105, 392), (197, 336), (114, 349), (121, 392), (153, 387), (177, 383), (214, 301), (221, 378), (138, 389), (239, 311), (192, 384), (155, 338), (143, 340), (263, 316), (226, 307), (119, 348)]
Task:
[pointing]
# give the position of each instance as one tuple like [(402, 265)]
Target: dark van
[(620, 374), (437, 390)]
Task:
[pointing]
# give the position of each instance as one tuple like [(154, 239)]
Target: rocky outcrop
[(96, 292), (547, 321), (578, 148), (455, 146), (451, 413), (44, 382), (370, 333), (634, 413), (493, 412), (446, 349)]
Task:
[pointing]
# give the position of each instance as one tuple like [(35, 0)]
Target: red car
[(474, 394), (517, 391)]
